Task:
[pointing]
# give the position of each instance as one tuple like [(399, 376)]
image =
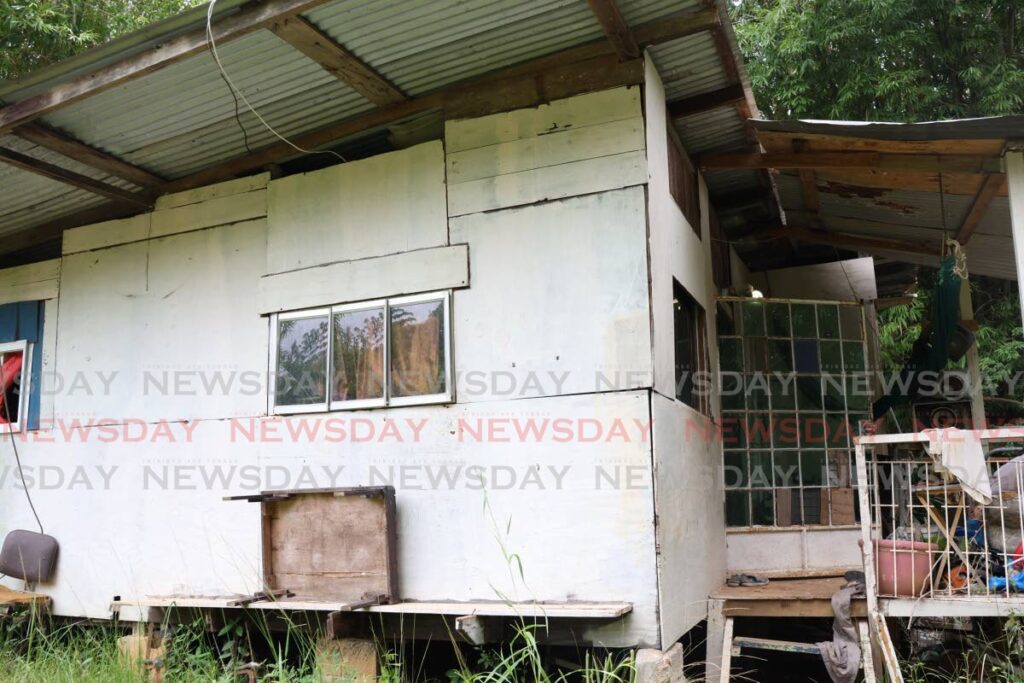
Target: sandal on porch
[(745, 580)]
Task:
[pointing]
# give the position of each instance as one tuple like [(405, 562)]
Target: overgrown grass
[(88, 653)]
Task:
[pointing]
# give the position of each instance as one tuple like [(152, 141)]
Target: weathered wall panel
[(409, 272), (559, 296), (575, 146), (386, 204), (152, 313), (689, 492), (32, 282)]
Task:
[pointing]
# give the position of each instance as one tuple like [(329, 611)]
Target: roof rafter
[(82, 182), (991, 187), (308, 39), (696, 104), (615, 27), (857, 242), (920, 163), (47, 137), (254, 17)]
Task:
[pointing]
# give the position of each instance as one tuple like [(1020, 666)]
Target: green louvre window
[(794, 385)]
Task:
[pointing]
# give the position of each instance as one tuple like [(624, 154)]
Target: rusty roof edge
[(987, 128)]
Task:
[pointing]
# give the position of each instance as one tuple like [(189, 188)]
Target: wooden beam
[(729, 95), (47, 137), (920, 163), (53, 230), (992, 186), (855, 242), (809, 187), (308, 39), (53, 172), (254, 17), (615, 27)]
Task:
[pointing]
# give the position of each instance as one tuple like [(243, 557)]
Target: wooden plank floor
[(13, 597), (785, 598)]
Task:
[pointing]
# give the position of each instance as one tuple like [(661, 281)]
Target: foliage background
[(897, 60), (34, 33)]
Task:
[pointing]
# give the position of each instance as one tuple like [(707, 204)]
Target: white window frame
[(357, 403), (444, 296), (300, 407), (26, 384), (445, 397)]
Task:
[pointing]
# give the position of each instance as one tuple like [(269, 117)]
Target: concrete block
[(347, 660), (655, 666)]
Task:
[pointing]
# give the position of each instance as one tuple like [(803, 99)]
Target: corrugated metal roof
[(421, 45), (689, 66), (181, 119)]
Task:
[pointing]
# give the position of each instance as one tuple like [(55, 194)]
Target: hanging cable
[(14, 443), (237, 92)]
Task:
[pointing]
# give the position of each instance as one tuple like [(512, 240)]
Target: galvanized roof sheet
[(181, 119)]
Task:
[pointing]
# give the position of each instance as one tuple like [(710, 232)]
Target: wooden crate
[(330, 545)]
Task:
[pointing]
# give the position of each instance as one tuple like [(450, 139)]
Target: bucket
[(902, 567)]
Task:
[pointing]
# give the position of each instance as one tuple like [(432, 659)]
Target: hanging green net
[(931, 350)]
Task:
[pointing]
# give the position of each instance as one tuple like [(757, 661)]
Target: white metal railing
[(925, 536)]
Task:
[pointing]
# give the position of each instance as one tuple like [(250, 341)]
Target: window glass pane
[(786, 469), (418, 349), (783, 391), (780, 355), (358, 355), (806, 351), (760, 469), (803, 321), (778, 320), (753, 319), (737, 508), (732, 391), (828, 321), (10, 381), (853, 355), (730, 354), (850, 322), (761, 504), (735, 474), (301, 361)]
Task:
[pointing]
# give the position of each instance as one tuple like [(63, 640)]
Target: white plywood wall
[(385, 204), (689, 499), (555, 280), (559, 295), (580, 145)]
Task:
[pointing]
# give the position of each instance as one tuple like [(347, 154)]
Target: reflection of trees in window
[(301, 361), (358, 355), (418, 349)]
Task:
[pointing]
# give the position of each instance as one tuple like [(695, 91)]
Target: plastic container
[(902, 567)]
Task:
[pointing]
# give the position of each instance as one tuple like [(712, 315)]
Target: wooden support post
[(714, 638), (1015, 181), (868, 662), (973, 362), (726, 672)]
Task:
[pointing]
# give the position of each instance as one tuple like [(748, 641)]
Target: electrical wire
[(237, 92), (14, 445)]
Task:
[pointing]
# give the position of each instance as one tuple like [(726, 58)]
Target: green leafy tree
[(898, 60), (883, 60), (34, 33)]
